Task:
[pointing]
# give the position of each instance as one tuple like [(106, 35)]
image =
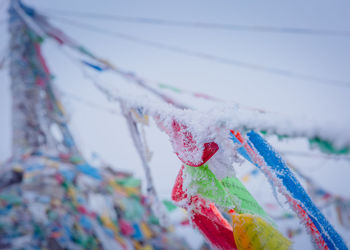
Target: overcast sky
[(321, 56)]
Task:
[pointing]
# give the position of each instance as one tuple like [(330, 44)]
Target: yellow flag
[(142, 118), (245, 178), (147, 247), (146, 231), (107, 222), (253, 232)]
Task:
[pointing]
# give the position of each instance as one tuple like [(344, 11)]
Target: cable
[(206, 56), (312, 155), (90, 103), (202, 25)]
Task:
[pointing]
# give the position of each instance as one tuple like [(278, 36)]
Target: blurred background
[(290, 58)]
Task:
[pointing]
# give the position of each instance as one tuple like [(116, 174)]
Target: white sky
[(106, 134)]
